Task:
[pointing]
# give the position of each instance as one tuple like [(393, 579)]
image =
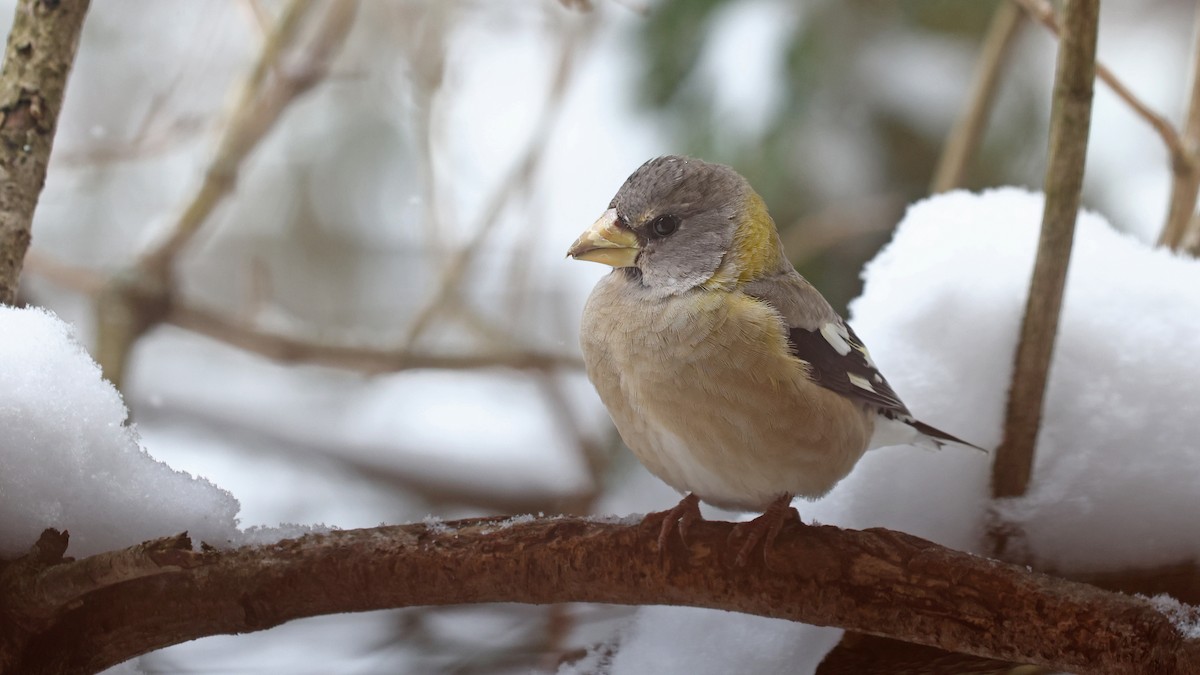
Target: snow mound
[(68, 459)]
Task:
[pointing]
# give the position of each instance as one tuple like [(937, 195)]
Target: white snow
[(435, 525), (1185, 617), (1118, 461), (69, 461), (1114, 482)]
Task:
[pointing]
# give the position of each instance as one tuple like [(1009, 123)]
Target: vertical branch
[(1186, 182), (1070, 119), (37, 61), (968, 130)]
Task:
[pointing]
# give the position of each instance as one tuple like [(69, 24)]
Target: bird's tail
[(939, 437), (890, 431)]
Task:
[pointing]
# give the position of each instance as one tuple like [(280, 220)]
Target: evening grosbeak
[(727, 374)]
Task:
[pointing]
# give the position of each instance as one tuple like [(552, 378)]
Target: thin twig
[(1180, 156), (41, 50), (1186, 182), (515, 182), (363, 359), (137, 298), (290, 349), (968, 130), (426, 49), (260, 104), (1070, 120)]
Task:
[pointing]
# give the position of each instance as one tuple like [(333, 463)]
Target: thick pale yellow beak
[(606, 242)]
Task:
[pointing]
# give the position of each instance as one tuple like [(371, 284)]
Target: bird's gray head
[(674, 221)]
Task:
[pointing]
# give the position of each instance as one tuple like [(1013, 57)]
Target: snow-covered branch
[(875, 581)]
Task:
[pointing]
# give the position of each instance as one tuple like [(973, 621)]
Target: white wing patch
[(890, 431), (860, 382), (836, 335)]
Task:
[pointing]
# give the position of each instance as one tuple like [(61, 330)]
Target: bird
[(725, 371)]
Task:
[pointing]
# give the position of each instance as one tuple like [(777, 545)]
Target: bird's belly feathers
[(703, 389)]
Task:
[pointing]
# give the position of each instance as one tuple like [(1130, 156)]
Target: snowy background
[(343, 224)]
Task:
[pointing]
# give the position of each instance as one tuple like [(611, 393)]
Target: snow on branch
[(874, 581)]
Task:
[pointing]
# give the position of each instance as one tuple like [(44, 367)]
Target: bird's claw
[(681, 517), (763, 530)]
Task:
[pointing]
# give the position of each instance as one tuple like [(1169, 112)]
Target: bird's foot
[(763, 530), (686, 512)]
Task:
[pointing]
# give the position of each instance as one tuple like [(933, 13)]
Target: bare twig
[(260, 104), (289, 349), (137, 299), (968, 129), (426, 47), (1186, 182), (875, 581), (364, 359), (1180, 156), (1070, 121), (41, 49), (515, 182), (79, 279)]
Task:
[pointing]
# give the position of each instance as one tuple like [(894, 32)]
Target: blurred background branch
[(968, 130), (137, 298), (1181, 229)]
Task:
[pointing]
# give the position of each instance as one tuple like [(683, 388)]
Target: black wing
[(838, 361)]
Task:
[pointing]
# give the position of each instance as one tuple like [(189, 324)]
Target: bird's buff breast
[(703, 389)]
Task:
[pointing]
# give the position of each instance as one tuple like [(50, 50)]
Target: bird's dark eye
[(663, 226)]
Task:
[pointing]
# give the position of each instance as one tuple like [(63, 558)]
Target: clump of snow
[(1185, 617), (614, 519), (1117, 464), (70, 461), (257, 535), (1117, 461), (522, 519), (435, 525)]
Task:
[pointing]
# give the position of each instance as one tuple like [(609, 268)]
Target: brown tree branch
[(968, 129), (364, 359), (289, 349), (37, 61), (1070, 120), (1185, 184), (875, 581), (1180, 156)]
